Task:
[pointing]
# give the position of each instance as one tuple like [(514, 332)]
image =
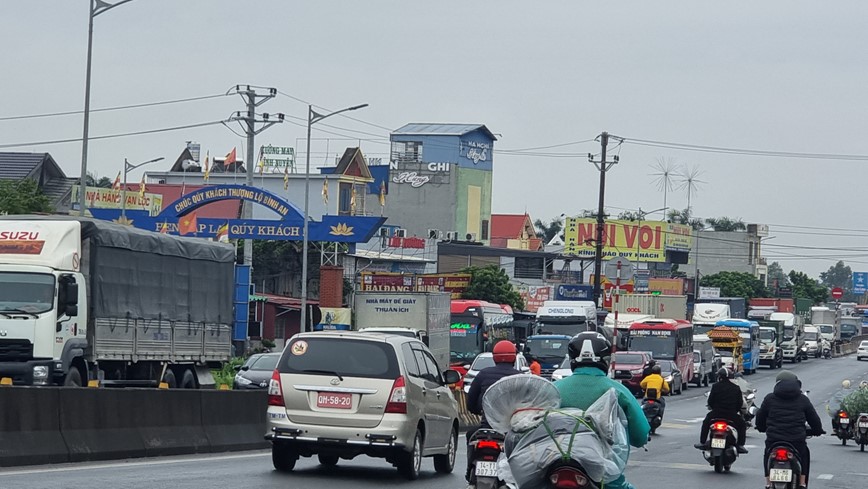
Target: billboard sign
[(454, 283), (647, 242), (860, 282)]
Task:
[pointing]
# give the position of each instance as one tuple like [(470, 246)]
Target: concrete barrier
[(96, 424), (466, 419), (235, 422), (43, 425), (30, 428)]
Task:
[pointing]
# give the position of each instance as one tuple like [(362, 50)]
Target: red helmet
[(504, 352)]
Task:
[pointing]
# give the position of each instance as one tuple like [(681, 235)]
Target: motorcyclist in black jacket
[(725, 401), (504, 353), (782, 417)]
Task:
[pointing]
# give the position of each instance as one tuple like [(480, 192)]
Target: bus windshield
[(465, 339), (661, 343), (745, 341)]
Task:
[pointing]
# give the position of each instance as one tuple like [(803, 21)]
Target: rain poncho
[(538, 433), (834, 404)]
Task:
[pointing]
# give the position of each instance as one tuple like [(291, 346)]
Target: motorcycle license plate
[(780, 475), (863, 424), (486, 469), (718, 443), (845, 421)]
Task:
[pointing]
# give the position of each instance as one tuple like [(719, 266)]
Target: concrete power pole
[(253, 101), (603, 166)]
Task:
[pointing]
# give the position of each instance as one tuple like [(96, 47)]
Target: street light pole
[(96, 7), (312, 118), (127, 168)]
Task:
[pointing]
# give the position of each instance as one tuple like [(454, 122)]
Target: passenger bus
[(474, 329), (665, 339), (750, 341)]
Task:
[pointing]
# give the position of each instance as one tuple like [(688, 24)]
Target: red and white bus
[(473, 322), (665, 339)]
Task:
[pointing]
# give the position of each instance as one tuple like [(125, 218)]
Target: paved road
[(671, 461)]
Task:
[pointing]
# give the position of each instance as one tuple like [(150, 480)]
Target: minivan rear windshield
[(345, 357)]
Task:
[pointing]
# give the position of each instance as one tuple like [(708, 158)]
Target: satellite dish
[(190, 165)]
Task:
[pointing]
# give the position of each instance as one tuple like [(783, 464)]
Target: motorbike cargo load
[(539, 433)]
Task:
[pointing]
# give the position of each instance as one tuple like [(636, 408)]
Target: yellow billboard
[(647, 242)]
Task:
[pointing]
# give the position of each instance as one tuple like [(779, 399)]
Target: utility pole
[(253, 101), (603, 166)]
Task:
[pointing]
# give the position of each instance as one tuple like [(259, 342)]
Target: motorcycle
[(721, 453), (749, 409), (785, 468), (487, 447), (827, 352), (547, 447), (860, 431), (653, 410), (842, 431)]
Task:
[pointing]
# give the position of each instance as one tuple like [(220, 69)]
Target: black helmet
[(590, 349), (656, 369), (725, 373)]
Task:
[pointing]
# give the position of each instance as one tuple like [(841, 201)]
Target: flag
[(142, 188), (353, 200), (230, 158), (325, 192), (261, 163), (164, 229), (188, 224), (286, 177), (383, 193), (223, 233), (116, 186), (207, 168)]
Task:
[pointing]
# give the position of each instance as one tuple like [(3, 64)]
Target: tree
[(725, 224), (23, 197), (805, 286), (93, 181), (686, 218), (550, 230), (736, 284), (839, 275), (491, 284), (777, 277), (630, 216)]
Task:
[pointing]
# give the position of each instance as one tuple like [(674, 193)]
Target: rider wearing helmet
[(725, 402), (504, 353), (649, 366), (589, 354), (833, 406), (658, 384)]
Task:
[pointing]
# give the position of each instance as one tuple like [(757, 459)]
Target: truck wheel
[(188, 380), (73, 378), (169, 378)]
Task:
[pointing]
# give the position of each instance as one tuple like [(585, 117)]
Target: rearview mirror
[(467, 367), (524, 370), (451, 376), (237, 368)]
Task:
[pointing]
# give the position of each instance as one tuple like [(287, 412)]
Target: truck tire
[(73, 378), (188, 380), (169, 378)]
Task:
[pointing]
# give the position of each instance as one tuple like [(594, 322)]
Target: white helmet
[(846, 384)]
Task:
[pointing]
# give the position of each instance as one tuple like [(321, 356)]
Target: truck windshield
[(788, 333), (547, 348), (563, 326), (827, 329), (810, 336), (702, 328), (29, 292), (767, 335)]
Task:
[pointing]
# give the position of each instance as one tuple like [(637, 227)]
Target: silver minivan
[(343, 394)]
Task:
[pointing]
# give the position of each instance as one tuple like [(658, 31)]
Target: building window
[(280, 329), (528, 268), (407, 151), (485, 229)]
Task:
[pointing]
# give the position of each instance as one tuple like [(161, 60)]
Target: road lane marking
[(676, 426), (693, 420), (827, 477), (127, 464)]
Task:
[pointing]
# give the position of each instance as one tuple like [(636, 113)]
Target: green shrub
[(226, 375)]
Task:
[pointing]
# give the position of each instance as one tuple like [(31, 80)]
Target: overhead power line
[(742, 151), (112, 136), (107, 109)]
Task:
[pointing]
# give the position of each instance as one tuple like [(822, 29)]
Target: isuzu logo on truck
[(20, 235)]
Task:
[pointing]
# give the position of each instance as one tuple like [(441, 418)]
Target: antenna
[(690, 181), (666, 171)]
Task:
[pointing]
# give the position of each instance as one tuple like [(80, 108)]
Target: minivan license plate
[(718, 443), (334, 400), (486, 469), (780, 475), (863, 424)]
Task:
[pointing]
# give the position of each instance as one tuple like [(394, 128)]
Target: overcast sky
[(774, 75)]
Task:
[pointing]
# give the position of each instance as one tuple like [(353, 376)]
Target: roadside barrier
[(45, 425), (466, 419)]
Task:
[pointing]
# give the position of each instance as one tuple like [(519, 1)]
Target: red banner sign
[(414, 243)]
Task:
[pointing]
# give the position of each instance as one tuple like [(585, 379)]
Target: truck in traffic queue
[(659, 306), (737, 305), (83, 299), (565, 317), (705, 362), (771, 338), (706, 315), (827, 321), (620, 329), (423, 315), (793, 337), (775, 304)]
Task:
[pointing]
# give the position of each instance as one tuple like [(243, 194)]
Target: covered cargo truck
[(659, 306), (425, 315), (83, 299)]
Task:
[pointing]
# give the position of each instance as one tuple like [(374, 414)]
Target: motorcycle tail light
[(782, 454), (842, 414), (487, 444), (719, 426), (568, 478), (650, 401)]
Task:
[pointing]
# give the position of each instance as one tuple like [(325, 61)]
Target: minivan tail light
[(275, 392), (398, 397)]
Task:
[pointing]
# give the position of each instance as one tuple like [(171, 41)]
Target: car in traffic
[(627, 366), (338, 395), (862, 350), (672, 375), (256, 372), (485, 360), (563, 371)]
